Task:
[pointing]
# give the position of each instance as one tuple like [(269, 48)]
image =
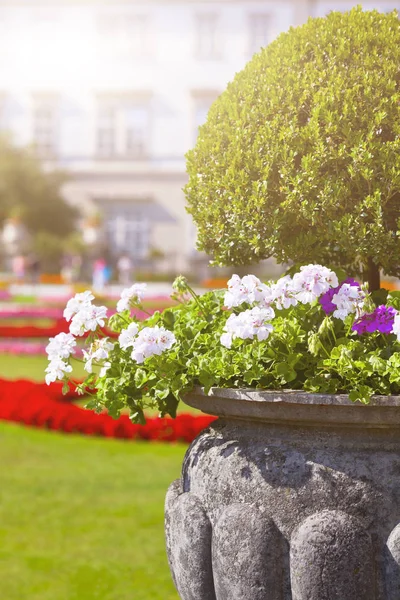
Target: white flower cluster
[(249, 289), (247, 325), (305, 287), (130, 296), (127, 336), (349, 299), (312, 281), (283, 294), (59, 349), (84, 316), (147, 342)]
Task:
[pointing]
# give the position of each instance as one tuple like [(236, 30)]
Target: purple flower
[(381, 320), (326, 299)]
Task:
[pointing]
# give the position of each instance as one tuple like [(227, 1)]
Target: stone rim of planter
[(297, 407)]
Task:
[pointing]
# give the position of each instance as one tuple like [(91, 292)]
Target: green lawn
[(81, 518), (29, 367), (22, 367)]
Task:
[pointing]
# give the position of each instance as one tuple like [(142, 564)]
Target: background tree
[(300, 156), (31, 194)]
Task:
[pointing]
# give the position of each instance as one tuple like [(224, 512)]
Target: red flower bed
[(31, 331), (38, 405), (60, 326)]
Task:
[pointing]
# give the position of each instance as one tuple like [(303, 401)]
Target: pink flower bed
[(30, 312), (20, 347)]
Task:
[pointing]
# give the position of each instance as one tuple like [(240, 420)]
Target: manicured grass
[(81, 518), (28, 367)]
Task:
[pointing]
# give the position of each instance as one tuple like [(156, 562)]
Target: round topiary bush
[(300, 156)]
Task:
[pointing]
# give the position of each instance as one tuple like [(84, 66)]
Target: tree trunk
[(373, 276)]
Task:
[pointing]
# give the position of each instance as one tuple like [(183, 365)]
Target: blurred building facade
[(114, 94)]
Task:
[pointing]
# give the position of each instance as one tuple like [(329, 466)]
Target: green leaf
[(138, 417), (169, 318), (162, 389), (363, 394), (171, 405), (141, 377), (285, 372)]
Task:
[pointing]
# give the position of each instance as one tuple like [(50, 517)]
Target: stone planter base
[(288, 496)]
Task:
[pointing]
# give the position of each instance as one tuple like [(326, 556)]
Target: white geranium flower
[(127, 336), (248, 289), (259, 317), (268, 296), (77, 303), (247, 325), (104, 368), (312, 281), (56, 370), (98, 352), (283, 293), (61, 346), (135, 293), (226, 339), (348, 300), (151, 341), (88, 319)]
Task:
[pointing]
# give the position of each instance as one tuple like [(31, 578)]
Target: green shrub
[(300, 156)]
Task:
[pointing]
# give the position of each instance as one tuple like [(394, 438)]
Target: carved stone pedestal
[(288, 496)]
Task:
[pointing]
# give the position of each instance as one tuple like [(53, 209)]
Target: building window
[(128, 231), (206, 35), (124, 34), (123, 127), (106, 134), (136, 125), (137, 35), (259, 31), (44, 128)]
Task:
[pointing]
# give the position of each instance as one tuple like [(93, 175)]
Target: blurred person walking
[(18, 266), (101, 274), (98, 274)]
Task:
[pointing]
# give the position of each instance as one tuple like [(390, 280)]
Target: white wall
[(63, 54), (324, 7)]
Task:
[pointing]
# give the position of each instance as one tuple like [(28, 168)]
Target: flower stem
[(196, 297), (350, 326)]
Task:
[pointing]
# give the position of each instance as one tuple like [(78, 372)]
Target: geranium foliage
[(299, 158)]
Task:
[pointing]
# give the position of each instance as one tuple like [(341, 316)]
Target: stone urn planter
[(288, 496)]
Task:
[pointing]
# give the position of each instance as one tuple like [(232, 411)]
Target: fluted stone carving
[(288, 498), (331, 557), (239, 529), (188, 534), (392, 564)]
